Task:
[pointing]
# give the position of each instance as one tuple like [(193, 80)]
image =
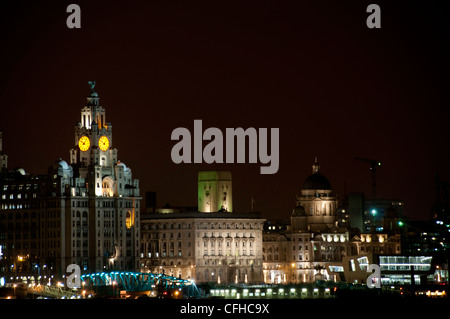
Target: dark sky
[(313, 69)]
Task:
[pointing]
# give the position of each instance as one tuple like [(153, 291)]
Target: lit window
[(129, 219)]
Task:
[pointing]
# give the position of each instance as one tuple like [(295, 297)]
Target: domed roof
[(299, 211), (119, 163), (63, 164), (317, 181)]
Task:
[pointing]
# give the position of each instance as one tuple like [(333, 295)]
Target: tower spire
[(316, 166), (92, 99)]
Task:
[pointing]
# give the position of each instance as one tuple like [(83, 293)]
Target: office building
[(84, 213), (318, 234), (206, 246)]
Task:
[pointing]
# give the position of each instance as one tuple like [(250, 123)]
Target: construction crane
[(373, 164)]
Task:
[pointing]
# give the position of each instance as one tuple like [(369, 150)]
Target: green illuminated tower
[(214, 192)]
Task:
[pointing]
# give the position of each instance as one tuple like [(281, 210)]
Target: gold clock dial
[(84, 143), (103, 143)]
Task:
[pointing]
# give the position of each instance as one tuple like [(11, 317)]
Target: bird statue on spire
[(92, 85), (92, 93)]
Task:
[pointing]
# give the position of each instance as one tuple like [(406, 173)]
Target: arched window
[(108, 187), (129, 219)]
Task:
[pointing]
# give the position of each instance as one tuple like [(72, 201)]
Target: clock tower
[(107, 188), (93, 135), (86, 212)]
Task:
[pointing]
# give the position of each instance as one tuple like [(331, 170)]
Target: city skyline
[(334, 88)]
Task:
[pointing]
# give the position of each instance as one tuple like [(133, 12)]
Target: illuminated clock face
[(103, 143), (84, 143)]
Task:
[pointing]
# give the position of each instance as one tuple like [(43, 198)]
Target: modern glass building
[(394, 269), (399, 270)]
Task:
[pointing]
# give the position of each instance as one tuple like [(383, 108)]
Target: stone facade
[(84, 213), (314, 238), (219, 247)]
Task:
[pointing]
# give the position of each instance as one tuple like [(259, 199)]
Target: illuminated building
[(431, 237), (394, 269), (316, 237), (213, 246), (318, 202), (28, 233), (215, 192), (111, 195), (84, 213), (297, 254)]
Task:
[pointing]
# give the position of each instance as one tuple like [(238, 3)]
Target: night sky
[(313, 69)]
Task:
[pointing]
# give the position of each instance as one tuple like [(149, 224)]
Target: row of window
[(219, 244), (276, 249), (237, 253), (19, 206), (229, 235), (202, 226), (276, 257), (227, 226), (19, 187)]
